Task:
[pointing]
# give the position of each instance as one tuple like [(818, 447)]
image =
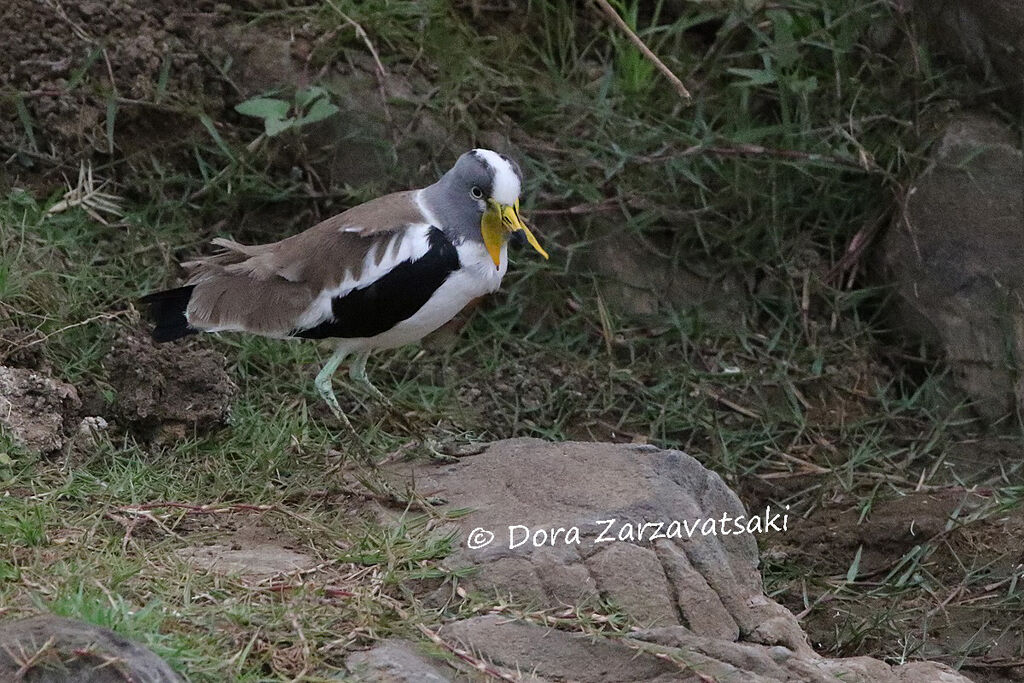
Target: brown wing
[(264, 289)]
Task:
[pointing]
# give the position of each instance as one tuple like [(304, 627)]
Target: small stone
[(394, 661), (69, 651)]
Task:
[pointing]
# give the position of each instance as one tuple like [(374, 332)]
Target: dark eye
[(476, 192)]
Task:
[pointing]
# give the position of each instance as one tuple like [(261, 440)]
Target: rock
[(252, 550), (34, 407), (670, 654), (89, 430), (394, 661), (552, 653), (987, 35), (698, 598), (957, 262), (549, 486), (260, 560), (50, 649), (636, 281), (172, 390)]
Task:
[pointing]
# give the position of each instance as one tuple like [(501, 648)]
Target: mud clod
[(35, 408), (172, 389)]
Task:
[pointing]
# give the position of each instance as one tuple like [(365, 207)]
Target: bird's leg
[(324, 388), (357, 373)]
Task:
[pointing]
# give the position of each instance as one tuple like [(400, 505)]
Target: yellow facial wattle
[(498, 222)]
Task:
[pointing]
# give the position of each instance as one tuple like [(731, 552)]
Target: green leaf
[(212, 130), (320, 110), (754, 76), (851, 573), (264, 108), (275, 126), (6, 460), (304, 97)]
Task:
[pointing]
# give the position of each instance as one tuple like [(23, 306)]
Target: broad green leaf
[(264, 108), (754, 76), (304, 97), (320, 110), (275, 126)]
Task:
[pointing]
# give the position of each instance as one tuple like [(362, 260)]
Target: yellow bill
[(500, 220)]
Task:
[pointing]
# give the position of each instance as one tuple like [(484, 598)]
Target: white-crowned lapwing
[(380, 275)]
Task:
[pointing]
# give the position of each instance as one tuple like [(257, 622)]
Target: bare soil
[(168, 390), (82, 71)]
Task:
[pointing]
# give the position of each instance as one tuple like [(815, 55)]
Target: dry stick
[(466, 656), (197, 509), (382, 74), (646, 51), (102, 316)]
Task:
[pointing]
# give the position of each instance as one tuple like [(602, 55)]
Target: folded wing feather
[(269, 289)]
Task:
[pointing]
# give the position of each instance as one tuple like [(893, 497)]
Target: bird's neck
[(431, 200), (435, 201)]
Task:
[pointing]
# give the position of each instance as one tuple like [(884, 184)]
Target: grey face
[(459, 198)]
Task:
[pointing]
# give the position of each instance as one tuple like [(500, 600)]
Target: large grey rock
[(988, 35), (33, 409), (957, 260), (670, 654), (704, 581), (50, 649), (555, 654), (699, 598)]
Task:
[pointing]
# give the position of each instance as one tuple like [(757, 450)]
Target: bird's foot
[(327, 394)]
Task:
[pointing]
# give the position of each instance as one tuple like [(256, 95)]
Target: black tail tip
[(167, 309)]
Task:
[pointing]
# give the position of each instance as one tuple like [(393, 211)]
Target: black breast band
[(396, 296)]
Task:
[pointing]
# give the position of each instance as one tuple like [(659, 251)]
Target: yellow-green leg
[(323, 383), (357, 373)]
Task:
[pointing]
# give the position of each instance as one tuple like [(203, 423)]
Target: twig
[(859, 243), (197, 509), (29, 663), (731, 405), (88, 196), (102, 316), (646, 51), (382, 74), (478, 664)]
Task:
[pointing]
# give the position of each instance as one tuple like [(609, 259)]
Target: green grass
[(804, 127)]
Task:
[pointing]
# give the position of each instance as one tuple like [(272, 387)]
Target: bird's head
[(482, 192)]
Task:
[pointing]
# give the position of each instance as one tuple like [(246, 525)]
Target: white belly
[(476, 277)]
